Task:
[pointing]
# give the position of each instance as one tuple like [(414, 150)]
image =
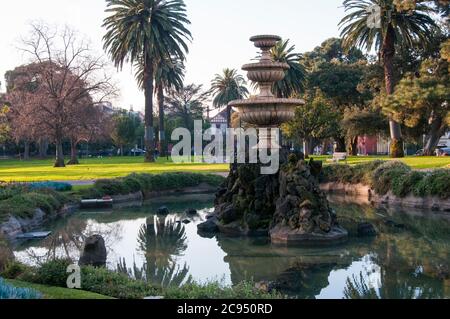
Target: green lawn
[(56, 292), (91, 169), (415, 162)]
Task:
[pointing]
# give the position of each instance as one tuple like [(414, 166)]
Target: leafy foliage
[(148, 183), (214, 290), (391, 176)]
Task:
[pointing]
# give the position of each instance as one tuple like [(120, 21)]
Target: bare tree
[(69, 79)]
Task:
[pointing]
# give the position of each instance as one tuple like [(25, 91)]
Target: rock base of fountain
[(288, 206), (245, 204), (303, 214)]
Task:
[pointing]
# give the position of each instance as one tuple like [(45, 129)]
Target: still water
[(409, 258)]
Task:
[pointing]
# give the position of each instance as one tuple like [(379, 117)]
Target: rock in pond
[(191, 211), (163, 210), (366, 230), (186, 221), (209, 227), (94, 252)]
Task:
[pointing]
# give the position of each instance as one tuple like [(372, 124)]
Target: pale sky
[(221, 30)]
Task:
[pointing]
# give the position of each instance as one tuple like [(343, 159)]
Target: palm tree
[(146, 30), (227, 87), (396, 28), (169, 76), (294, 81)]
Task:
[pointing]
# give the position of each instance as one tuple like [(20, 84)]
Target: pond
[(409, 258)]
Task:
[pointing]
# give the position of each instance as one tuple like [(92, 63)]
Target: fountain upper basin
[(266, 111), (265, 72)]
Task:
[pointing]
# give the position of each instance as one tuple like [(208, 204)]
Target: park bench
[(338, 156)]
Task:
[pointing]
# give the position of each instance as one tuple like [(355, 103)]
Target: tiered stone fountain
[(289, 206)]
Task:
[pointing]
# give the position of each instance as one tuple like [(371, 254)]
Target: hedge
[(392, 176)]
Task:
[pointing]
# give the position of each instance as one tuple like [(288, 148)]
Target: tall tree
[(123, 131), (65, 74), (146, 30), (169, 76), (187, 104), (294, 81), (423, 101), (226, 87), (380, 24), (313, 122)]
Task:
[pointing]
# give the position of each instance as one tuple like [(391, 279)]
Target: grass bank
[(99, 283)]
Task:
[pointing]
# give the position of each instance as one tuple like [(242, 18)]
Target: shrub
[(215, 290), (147, 183), (113, 284), (53, 273), (6, 255), (436, 183), (11, 292), (361, 173), (384, 177), (404, 185), (13, 270)]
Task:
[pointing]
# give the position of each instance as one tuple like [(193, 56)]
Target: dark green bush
[(384, 177), (13, 269), (436, 183), (147, 183), (53, 273), (244, 290), (404, 185), (391, 176), (113, 284)]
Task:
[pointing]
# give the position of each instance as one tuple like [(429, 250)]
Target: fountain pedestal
[(289, 206)]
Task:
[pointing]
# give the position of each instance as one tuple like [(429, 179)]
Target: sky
[(221, 30)]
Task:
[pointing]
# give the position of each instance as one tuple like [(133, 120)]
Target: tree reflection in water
[(161, 241), (66, 242)]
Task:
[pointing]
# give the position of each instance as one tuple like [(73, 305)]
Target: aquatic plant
[(10, 292)]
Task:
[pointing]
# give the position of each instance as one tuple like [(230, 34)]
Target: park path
[(92, 182)]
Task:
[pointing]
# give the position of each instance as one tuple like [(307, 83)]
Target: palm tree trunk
[(148, 91), (228, 116), (388, 53), (162, 133)]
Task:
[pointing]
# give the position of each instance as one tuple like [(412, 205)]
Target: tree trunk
[(148, 91), (388, 53), (340, 144), (308, 147), (353, 146), (228, 116), (435, 134), (162, 133), (26, 152), (43, 148), (59, 162), (73, 153)]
